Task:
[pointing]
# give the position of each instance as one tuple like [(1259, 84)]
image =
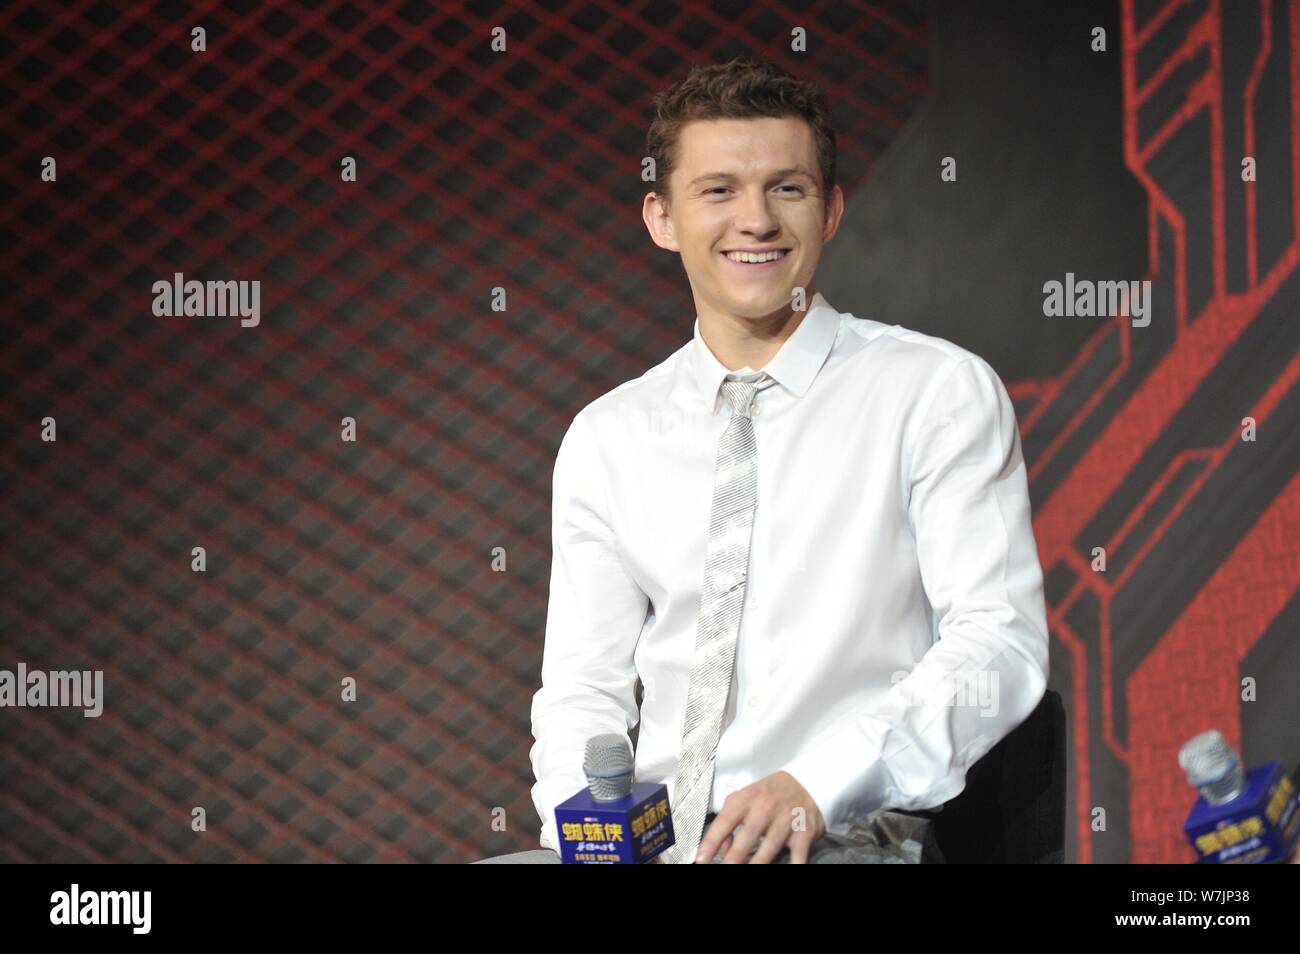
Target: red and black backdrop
[(415, 559)]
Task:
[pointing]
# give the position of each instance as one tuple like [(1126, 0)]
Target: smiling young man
[(806, 533)]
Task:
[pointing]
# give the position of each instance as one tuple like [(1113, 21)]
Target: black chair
[(1012, 810)]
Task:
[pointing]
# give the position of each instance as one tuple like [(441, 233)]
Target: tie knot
[(740, 394)]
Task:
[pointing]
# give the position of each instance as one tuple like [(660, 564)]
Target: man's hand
[(767, 810)]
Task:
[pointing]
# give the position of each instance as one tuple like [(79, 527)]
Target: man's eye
[(724, 189)]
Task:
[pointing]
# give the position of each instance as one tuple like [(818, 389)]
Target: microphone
[(1240, 816), (613, 820)]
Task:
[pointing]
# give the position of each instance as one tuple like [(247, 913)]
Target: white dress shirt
[(893, 628)]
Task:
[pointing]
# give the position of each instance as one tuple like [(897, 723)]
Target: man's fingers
[(800, 844), (713, 835), (773, 842), (726, 845), (744, 839), (754, 825)]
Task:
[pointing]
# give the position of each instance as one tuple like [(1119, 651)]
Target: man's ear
[(658, 221), (834, 214)]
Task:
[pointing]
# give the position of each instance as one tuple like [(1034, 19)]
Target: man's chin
[(752, 302), (755, 303)]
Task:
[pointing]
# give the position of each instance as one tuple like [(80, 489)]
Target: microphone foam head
[(1211, 764), (608, 766)]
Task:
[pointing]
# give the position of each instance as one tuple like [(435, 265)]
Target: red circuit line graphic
[(1194, 354)]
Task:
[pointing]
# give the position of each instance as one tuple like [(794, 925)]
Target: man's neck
[(745, 342)]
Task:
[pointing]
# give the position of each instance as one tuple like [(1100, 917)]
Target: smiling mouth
[(761, 260)]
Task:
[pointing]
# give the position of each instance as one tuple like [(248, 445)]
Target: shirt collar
[(795, 364)]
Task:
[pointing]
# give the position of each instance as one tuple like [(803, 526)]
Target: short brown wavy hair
[(739, 89)]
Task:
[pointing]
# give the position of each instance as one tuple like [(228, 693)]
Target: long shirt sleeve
[(968, 510), (594, 618)]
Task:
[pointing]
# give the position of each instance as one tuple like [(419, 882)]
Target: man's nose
[(754, 216)]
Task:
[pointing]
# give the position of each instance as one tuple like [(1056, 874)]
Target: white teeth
[(753, 258)]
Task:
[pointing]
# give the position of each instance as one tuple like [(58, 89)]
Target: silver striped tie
[(726, 567)]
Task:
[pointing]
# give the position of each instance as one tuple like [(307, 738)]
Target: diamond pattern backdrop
[(325, 559)]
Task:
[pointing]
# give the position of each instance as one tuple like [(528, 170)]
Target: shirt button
[(753, 409), (753, 701)]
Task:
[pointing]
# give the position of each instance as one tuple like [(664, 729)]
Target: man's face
[(733, 189)]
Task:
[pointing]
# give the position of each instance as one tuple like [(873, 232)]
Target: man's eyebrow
[(729, 176)]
